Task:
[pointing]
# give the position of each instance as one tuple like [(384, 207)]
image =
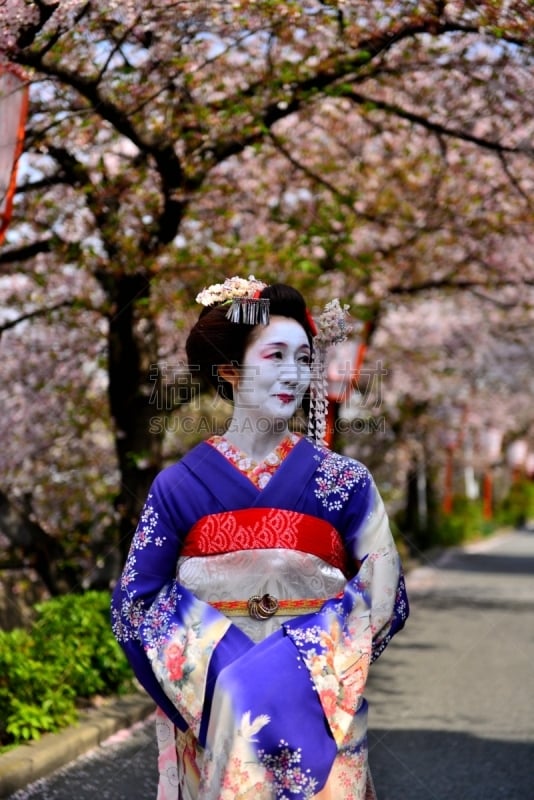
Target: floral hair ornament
[(332, 329), (242, 295)]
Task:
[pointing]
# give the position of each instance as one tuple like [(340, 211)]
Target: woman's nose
[(291, 374)]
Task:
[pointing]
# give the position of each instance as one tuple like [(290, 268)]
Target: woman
[(263, 578)]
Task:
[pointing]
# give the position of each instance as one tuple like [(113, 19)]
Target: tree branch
[(28, 32), (346, 199), (331, 73), (27, 252), (450, 283), (435, 127), (168, 163), (38, 312), (513, 180)]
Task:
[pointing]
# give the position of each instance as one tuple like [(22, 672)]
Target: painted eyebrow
[(303, 346)]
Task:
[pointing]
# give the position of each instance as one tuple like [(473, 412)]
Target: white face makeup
[(275, 372)]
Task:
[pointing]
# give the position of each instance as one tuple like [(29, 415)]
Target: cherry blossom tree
[(378, 151)]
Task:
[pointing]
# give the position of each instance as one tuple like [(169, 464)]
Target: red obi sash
[(263, 528)]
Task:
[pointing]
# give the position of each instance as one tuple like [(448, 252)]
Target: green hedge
[(467, 519), (67, 656), (465, 523), (517, 508)]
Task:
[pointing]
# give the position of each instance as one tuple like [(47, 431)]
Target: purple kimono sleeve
[(338, 643), (173, 641)]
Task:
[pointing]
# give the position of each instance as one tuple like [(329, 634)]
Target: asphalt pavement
[(451, 699)]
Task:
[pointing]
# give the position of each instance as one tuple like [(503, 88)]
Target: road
[(452, 698)]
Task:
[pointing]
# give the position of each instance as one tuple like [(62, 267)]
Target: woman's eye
[(304, 360), (277, 354)]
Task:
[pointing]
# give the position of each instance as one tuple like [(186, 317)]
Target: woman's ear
[(229, 374)]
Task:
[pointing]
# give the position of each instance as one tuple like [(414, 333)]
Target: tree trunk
[(134, 382), (32, 546)]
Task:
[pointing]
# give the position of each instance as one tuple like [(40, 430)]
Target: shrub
[(68, 654), (75, 631), (465, 522), (517, 507)]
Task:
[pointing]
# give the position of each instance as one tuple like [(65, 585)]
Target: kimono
[(253, 600)]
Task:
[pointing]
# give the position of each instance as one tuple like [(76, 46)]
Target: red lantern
[(516, 455), (491, 442), (13, 113)]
